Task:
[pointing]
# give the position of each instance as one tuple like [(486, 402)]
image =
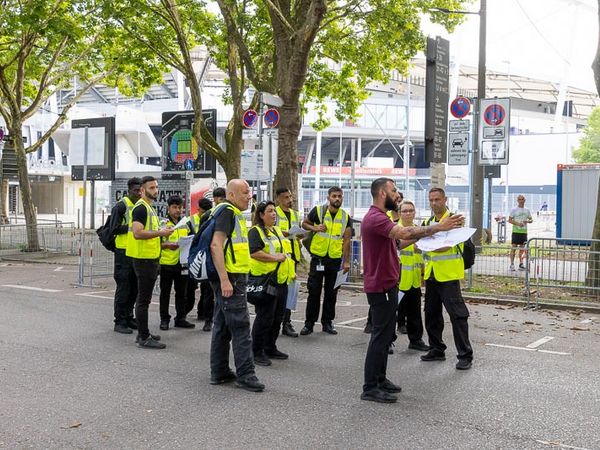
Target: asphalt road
[(68, 381)]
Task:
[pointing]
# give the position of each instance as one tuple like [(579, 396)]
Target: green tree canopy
[(589, 147)]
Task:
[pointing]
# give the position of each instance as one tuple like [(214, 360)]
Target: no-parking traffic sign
[(494, 127)]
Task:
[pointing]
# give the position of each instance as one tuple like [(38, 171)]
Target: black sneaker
[(379, 396), (464, 364), (288, 330), (389, 387), (182, 323), (156, 337), (151, 343), (123, 329), (207, 326), (306, 330), (328, 328), (419, 345), (276, 354), (251, 384), (164, 325), (261, 359), (433, 356), (228, 377), (132, 323), (391, 349), (368, 328), (402, 329)]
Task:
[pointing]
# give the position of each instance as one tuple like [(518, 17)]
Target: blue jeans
[(231, 324)]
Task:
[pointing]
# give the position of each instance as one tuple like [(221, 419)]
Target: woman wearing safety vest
[(411, 265), (269, 252)]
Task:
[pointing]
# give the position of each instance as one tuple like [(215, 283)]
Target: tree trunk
[(593, 274), (287, 154), (25, 188), (234, 145), (3, 198)]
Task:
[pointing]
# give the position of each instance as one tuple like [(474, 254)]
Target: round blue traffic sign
[(249, 118), (460, 107), (271, 118)]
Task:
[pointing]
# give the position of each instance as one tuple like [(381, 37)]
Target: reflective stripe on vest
[(170, 257), (284, 224), (273, 244), (445, 266), (121, 239), (237, 259), (144, 248), (330, 242)]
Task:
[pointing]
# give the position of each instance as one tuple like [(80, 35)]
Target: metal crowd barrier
[(51, 239), (569, 265)]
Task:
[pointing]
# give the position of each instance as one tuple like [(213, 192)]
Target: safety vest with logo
[(170, 257), (446, 266), (237, 258), (290, 245), (144, 248), (274, 241), (330, 242), (121, 239)]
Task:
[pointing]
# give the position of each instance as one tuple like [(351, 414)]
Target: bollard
[(78, 214)]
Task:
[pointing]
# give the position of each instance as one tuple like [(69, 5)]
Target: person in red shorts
[(381, 276)]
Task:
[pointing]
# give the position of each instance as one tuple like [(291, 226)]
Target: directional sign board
[(494, 126), (458, 149), (436, 99)]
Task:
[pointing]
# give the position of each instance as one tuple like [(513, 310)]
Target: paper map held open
[(444, 239)]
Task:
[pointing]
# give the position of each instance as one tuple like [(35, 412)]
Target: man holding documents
[(381, 275), (330, 252), (444, 268), (171, 271)]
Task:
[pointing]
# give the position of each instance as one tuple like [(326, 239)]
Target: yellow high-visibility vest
[(330, 242), (273, 244), (144, 248), (237, 258), (121, 239), (170, 257), (446, 266), (284, 224)]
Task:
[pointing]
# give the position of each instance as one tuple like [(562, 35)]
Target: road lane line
[(539, 342), (558, 444), (31, 288), (552, 352), (94, 296), (348, 322), (512, 347), (58, 269)]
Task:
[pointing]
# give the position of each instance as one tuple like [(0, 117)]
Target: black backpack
[(107, 239)]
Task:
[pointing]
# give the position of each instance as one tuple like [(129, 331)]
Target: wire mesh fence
[(16, 239)]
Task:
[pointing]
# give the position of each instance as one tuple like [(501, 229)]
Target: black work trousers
[(383, 316), (172, 276), (314, 285), (267, 323), (126, 291), (447, 293), (231, 324), (206, 304), (410, 306), (146, 271)]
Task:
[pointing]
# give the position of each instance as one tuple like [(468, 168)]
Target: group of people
[(271, 248)]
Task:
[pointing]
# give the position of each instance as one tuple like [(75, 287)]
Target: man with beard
[(143, 245), (381, 275), (124, 275), (330, 251)]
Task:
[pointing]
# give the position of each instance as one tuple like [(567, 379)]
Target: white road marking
[(31, 288), (527, 349), (347, 322), (89, 294), (58, 269), (539, 342), (559, 445), (587, 320)]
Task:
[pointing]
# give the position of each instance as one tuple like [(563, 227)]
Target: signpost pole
[(407, 143), (82, 237)]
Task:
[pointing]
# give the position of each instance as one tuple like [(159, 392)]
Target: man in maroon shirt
[(381, 275)]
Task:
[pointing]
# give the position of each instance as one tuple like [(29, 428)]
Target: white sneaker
[(512, 267), (522, 267)]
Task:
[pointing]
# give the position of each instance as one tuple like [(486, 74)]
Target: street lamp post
[(477, 170)]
